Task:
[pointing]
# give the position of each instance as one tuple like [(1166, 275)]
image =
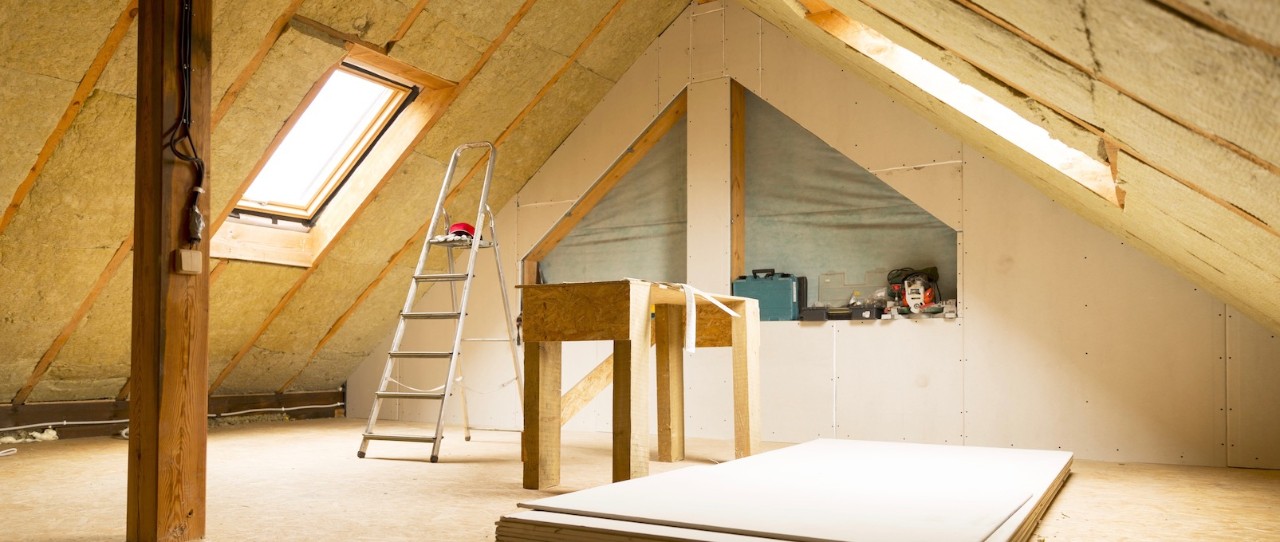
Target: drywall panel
[(706, 42), (796, 361), (935, 188), (1074, 340), (708, 195), (899, 380), (845, 111), (742, 34), (1253, 376), (674, 51)]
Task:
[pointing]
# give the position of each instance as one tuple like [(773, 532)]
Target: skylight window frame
[(401, 96)]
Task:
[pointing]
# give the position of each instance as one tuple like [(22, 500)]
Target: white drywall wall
[(1067, 338)]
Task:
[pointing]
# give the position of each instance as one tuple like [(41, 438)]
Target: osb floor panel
[(302, 481)]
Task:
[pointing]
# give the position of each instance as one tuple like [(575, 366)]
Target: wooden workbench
[(618, 311)]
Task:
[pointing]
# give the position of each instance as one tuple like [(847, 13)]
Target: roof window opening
[(324, 145)]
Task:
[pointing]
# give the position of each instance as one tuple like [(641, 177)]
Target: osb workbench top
[(618, 311)]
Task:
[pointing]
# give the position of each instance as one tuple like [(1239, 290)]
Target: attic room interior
[(624, 270)]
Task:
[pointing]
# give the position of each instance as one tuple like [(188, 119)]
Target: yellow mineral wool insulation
[(259, 372), (562, 25), (508, 81), (65, 233), (94, 363), (53, 38), (437, 46), (30, 106), (367, 328), (1048, 79), (238, 27), (354, 260), (375, 21), (239, 302), (1258, 19), (1211, 167), (294, 64), (121, 75), (628, 35), (1227, 88), (1060, 25), (551, 121), (486, 23)]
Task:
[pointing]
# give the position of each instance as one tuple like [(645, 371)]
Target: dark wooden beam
[(737, 180), (168, 406)]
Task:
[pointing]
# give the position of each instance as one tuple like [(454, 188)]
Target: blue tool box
[(781, 295)]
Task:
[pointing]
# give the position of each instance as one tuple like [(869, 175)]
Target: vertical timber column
[(669, 330), (168, 399), (709, 253), (540, 441)]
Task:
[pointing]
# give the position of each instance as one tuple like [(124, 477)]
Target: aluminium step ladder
[(389, 387)]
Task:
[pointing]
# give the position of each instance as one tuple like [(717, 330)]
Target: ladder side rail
[(506, 307), (466, 291)]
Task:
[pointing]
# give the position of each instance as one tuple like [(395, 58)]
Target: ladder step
[(409, 395), (402, 438), (430, 315), (437, 355), (444, 277), (462, 243)]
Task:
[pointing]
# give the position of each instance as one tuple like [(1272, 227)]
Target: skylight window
[(326, 142)]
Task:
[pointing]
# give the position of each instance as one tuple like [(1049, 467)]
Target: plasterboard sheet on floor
[(892, 376), (839, 490)]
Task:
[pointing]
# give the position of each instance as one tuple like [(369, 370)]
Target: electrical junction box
[(781, 296)]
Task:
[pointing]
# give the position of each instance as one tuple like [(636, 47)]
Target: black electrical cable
[(181, 132)]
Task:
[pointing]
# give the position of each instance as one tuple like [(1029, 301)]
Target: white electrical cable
[(10, 451), (224, 414)]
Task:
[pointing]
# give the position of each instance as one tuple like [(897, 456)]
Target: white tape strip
[(691, 311)]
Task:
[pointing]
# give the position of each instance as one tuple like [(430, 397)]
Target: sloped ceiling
[(1178, 97), (527, 71)]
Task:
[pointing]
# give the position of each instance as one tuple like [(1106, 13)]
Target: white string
[(691, 311), (403, 385), (494, 390), (10, 451)]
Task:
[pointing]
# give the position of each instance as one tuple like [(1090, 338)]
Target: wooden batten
[(737, 180), (629, 158), (336, 34)]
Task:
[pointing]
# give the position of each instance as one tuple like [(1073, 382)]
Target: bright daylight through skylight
[(320, 149)]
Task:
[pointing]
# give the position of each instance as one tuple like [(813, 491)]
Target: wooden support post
[(541, 438), (670, 331), (746, 378), (737, 180), (170, 311)]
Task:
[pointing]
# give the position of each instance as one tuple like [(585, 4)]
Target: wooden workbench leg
[(540, 442), (746, 379), (670, 337), (630, 408)]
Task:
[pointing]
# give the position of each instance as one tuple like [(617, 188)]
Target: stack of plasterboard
[(818, 491)]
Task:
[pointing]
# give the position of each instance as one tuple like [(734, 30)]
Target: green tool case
[(781, 295)]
